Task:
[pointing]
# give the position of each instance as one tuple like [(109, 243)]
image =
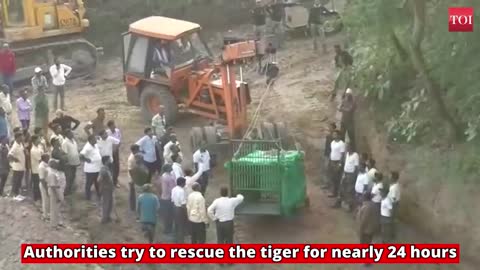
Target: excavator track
[(74, 51)]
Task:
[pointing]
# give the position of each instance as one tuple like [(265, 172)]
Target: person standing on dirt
[(90, 154), (367, 217), (277, 13), (41, 109), (24, 109), (55, 181), (394, 195), (159, 124), (107, 145), (377, 193), (164, 185), (315, 22), (70, 147), (59, 155), (96, 125), (105, 182), (350, 171), (39, 81), (57, 134), (6, 105), (17, 159), (197, 215), (172, 147), (259, 17), (362, 184), (148, 147), (335, 165), (222, 211), (386, 217), (36, 153), (347, 108), (8, 66), (201, 160), (326, 153), (4, 163), (59, 73), (115, 132), (3, 124), (177, 166), (147, 208), (343, 62), (131, 165), (64, 121), (179, 200), (190, 179), (42, 174)]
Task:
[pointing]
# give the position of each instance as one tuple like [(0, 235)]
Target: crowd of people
[(353, 178), (47, 166)]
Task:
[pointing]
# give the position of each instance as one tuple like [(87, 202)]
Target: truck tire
[(154, 95), (210, 134)]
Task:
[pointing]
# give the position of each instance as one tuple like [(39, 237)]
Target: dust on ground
[(299, 98)]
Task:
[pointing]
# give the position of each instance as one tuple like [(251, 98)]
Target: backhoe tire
[(210, 134), (154, 95)]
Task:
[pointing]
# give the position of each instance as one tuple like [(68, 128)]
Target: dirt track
[(299, 98)]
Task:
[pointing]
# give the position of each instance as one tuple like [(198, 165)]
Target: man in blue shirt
[(3, 124), (148, 147), (147, 208)]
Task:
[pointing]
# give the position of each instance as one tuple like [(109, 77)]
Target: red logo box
[(460, 19)]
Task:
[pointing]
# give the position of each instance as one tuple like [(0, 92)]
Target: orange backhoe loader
[(166, 62)]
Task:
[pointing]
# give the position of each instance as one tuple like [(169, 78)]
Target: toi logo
[(460, 19)]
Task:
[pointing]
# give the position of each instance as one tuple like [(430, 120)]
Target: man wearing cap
[(347, 108), (64, 121), (40, 101), (8, 66), (59, 73), (39, 80)]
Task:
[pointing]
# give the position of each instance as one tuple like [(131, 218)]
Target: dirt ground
[(299, 98)]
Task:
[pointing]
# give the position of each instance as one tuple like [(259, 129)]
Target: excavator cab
[(40, 30), (167, 63)]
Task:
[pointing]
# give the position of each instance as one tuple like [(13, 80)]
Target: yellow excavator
[(38, 31)]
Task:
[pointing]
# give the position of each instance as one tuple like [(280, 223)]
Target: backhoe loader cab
[(167, 63)]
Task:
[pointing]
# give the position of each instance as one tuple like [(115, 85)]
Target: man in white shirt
[(337, 153), (70, 147), (177, 166), (16, 156), (222, 211), (197, 215), (350, 170), (190, 179), (90, 154), (386, 221), (59, 73), (159, 122), (361, 184), (107, 144), (201, 159), (6, 105), (377, 192), (394, 195), (170, 148), (179, 199)]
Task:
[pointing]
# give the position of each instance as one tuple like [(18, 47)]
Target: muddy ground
[(299, 98)]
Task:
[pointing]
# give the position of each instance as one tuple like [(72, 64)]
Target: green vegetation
[(420, 76)]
